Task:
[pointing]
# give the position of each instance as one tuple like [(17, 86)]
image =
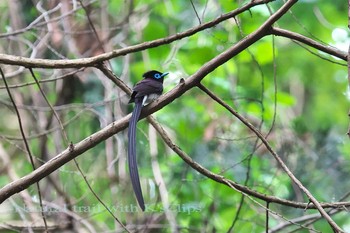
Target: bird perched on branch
[(144, 92)]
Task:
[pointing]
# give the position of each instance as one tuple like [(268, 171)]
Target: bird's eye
[(157, 76)]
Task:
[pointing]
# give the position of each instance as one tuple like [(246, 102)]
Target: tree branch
[(89, 62), (298, 37), (276, 156)]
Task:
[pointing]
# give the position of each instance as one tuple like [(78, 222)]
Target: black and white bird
[(144, 92)]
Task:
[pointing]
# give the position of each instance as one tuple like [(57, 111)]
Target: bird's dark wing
[(134, 174), (148, 86), (132, 97)]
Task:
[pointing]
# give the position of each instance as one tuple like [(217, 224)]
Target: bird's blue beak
[(164, 74)]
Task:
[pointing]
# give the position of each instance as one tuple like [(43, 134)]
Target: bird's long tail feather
[(134, 174)]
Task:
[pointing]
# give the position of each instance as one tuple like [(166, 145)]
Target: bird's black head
[(153, 74)]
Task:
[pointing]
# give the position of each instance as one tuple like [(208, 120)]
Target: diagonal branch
[(298, 37), (64, 134), (276, 156), (221, 179)]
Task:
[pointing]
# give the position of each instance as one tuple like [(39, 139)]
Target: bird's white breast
[(149, 98)]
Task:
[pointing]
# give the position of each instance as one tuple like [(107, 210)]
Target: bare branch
[(92, 61), (64, 134), (295, 36), (26, 145), (95, 194), (277, 158)]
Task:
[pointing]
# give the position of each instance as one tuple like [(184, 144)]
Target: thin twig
[(195, 11), (100, 44), (270, 211), (96, 196), (26, 145), (67, 75), (45, 132), (267, 217), (51, 107), (92, 25), (308, 219)]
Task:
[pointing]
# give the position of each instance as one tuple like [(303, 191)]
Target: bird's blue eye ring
[(157, 76)]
